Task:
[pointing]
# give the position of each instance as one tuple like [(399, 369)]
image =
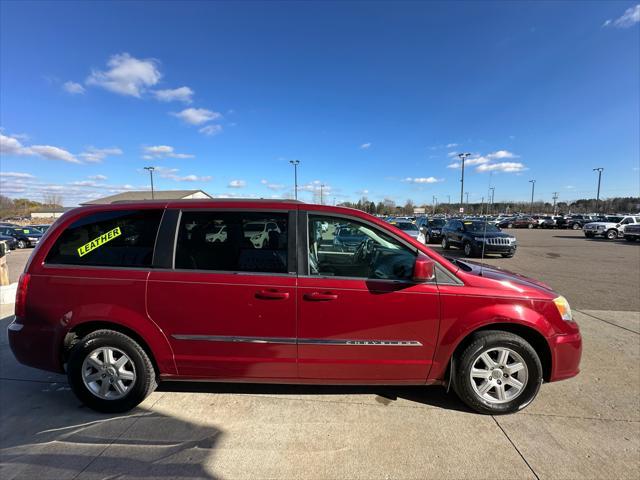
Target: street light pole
[(151, 169), (555, 197), (533, 187), (467, 194), (295, 164), (599, 170), (493, 191), (463, 157)]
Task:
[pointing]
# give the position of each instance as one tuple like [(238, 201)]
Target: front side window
[(346, 248), (233, 241), (121, 238)]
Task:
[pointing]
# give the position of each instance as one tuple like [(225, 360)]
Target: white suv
[(611, 229)]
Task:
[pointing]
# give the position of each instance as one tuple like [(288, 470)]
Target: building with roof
[(133, 196), (49, 212)]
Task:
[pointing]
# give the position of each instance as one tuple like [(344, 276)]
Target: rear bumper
[(35, 347), (566, 351)]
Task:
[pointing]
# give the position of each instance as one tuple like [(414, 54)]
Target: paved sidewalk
[(587, 427)]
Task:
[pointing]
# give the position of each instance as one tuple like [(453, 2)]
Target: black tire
[(575, 226), (427, 239), (611, 234), (486, 340), (468, 249), (21, 244), (445, 244), (530, 225), (145, 375), (510, 225)]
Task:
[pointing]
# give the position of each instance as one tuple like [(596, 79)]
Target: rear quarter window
[(122, 238)]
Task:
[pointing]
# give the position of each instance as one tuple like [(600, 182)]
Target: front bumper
[(566, 351), (489, 248)]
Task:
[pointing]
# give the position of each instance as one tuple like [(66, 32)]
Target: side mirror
[(423, 269)]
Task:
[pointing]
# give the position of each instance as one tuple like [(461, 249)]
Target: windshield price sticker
[(98, 242)]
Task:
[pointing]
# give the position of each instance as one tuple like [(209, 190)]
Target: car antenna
[(484, 234)]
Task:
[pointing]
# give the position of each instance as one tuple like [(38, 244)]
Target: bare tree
[(52, 200)]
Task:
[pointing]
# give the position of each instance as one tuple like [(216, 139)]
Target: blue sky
[(372, 98)]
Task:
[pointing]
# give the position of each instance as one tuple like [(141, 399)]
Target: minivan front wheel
[(497, 373), (109, 372)]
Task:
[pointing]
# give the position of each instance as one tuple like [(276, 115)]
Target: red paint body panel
[(158, 304), (367, 310), (212, 304)]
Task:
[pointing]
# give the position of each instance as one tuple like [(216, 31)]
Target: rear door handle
[(320, 297), (272, 295)]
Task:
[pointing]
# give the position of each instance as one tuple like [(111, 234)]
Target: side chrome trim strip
[(300, 341), (223, 338)]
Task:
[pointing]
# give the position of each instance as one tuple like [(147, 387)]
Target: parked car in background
[(431, 231), (122, 296), (611, 229), (12, 243), (632, 232), (407, 227), (25, 236), (476, 237), (576, 222), (518, 222), (43, 227)]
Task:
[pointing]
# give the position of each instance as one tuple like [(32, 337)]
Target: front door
[(360, 317), (228, 306)]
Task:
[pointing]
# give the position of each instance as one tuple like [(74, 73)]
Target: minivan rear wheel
[(110, 372), (497, 373)]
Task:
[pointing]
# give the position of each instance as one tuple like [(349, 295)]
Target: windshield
[(438, 222), (406, 226), (28, 230), (480, 227), (254, 227)]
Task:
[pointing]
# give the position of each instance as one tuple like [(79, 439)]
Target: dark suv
[(431, 230), (576, 222), (475, 236), (25, 236)]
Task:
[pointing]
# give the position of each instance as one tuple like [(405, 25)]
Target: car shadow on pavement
[(433, 396), (47, 433)]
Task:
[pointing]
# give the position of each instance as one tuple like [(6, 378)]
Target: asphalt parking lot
[(586, 427)]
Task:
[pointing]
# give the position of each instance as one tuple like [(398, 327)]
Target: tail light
[(21, 295)]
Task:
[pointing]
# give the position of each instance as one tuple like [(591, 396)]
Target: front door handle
[(320, 297), (272, 295)]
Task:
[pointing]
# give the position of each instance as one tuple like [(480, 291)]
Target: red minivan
[(123, 296)]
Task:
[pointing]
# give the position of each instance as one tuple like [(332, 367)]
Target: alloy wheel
[(499, 375), (108, 373)]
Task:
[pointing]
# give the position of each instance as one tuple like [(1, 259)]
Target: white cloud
[(211, 130), (452, 154), (97, 177), (162, 151), (73, 87), (12, 146), (237, 184), (315, 187), (126, 75), (451, 145), (84, 183), (53, 153), (197, 116), (501, 154), (629, 18), (272, 186), (181, 94), (172, 174), (471, 161), (423, 180), (16, 175), (508, 167), (97, 155), (365, 146)]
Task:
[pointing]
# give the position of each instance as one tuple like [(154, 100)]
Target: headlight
[(563, 308), (33, 239)]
